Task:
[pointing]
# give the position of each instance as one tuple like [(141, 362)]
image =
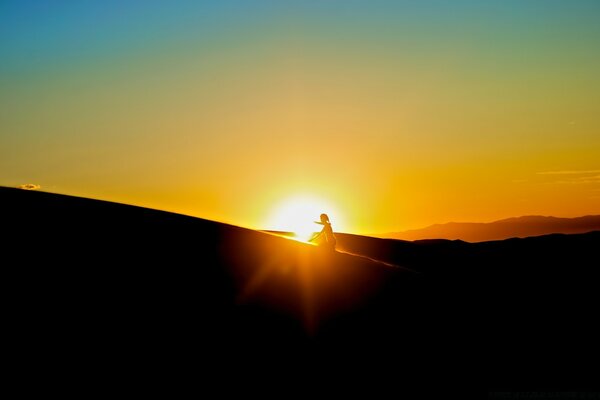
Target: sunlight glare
[(298, 215)]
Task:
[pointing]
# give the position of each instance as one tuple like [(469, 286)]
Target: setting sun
[(299, 215)]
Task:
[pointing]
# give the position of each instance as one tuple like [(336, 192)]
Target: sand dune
[(99, 280), (106, 285)]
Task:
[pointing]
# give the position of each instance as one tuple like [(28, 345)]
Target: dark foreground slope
[(111, 292), (109, 288), (529, 305)]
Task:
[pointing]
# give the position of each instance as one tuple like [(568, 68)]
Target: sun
[(298, 214)]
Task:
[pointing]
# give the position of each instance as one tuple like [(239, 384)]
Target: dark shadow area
[(100, 289), (526, 305)]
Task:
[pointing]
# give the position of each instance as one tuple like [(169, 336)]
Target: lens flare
[(299, 214)]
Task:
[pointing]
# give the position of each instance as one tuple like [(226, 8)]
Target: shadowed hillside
[(108, 286), (102, 281), (499, 230), (528, 304)]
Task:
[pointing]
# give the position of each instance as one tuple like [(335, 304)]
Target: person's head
[(324, 219)]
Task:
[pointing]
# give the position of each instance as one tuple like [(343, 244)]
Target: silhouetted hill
[(527, 304), (99, 289), (105, 286), (499, 230)]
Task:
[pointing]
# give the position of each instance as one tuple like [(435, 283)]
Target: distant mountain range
[(499, 230)]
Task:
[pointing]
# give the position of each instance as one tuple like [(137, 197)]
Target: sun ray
[(299, 214)]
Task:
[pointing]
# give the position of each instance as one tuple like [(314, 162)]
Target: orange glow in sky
[(394, 115)]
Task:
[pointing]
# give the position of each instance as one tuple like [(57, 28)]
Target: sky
[(395, 114)]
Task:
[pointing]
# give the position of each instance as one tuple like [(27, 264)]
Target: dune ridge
[(106, 285)]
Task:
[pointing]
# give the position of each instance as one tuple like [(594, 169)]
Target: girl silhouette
[(327, 240)]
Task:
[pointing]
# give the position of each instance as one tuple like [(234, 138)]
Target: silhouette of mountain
[(499, 230), (99, 289)]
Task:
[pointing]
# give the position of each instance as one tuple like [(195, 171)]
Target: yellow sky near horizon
[(396, 126)]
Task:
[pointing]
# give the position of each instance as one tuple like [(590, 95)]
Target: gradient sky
[(400, 113)]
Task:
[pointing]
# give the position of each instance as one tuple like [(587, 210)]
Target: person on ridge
[(326, 238)]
